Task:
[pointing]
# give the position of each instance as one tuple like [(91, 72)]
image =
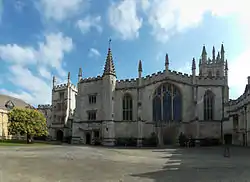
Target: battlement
[(214, 80), (44, 106), (64, 86), (90, 79), (150, 79)]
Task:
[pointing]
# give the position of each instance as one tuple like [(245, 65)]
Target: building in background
[(60, 113), (5, 102), (238, 114), (47, 112)]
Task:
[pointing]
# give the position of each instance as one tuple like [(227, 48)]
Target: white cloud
[(31, 88), (89, 22), (238, 73), (49, 55), (44, 72), (51, 52), (16, 54), (94, 53), (168, 17), (60, 10), (124, 20)]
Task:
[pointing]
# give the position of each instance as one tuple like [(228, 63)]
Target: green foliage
[(27, 121)]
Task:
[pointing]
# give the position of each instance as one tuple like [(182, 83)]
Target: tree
[(29, 122)]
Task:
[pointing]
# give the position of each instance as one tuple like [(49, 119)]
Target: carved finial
[(140, 66), (80, 74), (166, 60), (109, 43), (222, 48), (193, 64), (226, 65), (213, 53), (54, 81)]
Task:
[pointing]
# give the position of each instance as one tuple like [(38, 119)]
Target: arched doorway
[(88, 138), (59, 135)]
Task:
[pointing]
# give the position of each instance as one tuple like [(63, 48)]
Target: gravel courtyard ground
[(86, 164)]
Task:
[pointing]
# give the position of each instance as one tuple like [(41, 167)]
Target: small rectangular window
[(91, 115), (61, 96), (92, 99)]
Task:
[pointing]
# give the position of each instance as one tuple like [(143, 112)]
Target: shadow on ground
[(201, 164)]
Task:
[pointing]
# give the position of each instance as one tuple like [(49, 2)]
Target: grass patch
[(19, 143)]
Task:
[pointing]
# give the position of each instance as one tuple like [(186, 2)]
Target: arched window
[(127, 106), (209, 105), (167, 103)]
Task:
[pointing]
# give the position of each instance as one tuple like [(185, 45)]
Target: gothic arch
[(209, 99), (167, 103), (127, 107)]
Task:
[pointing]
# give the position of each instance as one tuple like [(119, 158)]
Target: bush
[(126, 141), (151, 141)]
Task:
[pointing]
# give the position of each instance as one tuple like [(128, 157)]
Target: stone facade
[(166, 103), (4, 124), (101, 113), (61, 110), (47, 112), (237, 113)]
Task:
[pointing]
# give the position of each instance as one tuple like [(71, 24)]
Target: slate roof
[(17, 102)]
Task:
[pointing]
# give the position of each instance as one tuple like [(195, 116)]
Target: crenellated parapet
[(44, 106), (153, 78), (64, 86), (90, 79), (126, 83), (213, 80)]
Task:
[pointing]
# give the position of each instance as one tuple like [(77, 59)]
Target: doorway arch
[(59, 135), (88, 138)]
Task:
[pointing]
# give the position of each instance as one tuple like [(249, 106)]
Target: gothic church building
[(165, 103)]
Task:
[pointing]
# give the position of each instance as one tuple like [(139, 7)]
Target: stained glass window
[(167, 103), (208, 105)]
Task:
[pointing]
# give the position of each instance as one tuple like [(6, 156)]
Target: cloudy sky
[(41, 38)]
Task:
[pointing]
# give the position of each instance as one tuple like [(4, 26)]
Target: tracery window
[(127, 106), (167, 103), (209, 105)]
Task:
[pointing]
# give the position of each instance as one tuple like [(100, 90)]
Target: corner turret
[(109, 84)]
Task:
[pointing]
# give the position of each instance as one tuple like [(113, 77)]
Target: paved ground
[(86, 164)]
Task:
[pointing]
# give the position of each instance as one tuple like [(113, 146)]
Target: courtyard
[(66, 163)]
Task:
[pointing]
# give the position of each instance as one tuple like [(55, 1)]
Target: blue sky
[(51, 37)]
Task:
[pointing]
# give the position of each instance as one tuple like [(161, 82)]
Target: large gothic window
[(167, 103), (127, 105), (208, 105)]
